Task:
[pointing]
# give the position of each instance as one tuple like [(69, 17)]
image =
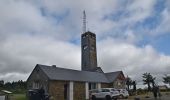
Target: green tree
[(166, 79), (134, 85), (148, 79), (15, 86), (128, 82), (1, 84)]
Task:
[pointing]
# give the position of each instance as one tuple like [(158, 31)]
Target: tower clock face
[(85, 47)]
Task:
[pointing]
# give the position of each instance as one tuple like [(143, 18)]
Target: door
[(65, 91)]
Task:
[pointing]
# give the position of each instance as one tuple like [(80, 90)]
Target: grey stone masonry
[(89, 51)]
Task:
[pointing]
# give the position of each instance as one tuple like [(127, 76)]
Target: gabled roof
[(56, 73), (111, 76)]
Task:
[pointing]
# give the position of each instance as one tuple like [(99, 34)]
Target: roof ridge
[(112, 72), (40, 65), (58, 73)]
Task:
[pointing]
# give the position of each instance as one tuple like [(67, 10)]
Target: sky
[(132, 35)]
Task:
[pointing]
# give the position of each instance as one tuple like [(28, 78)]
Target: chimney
[(54, 66)]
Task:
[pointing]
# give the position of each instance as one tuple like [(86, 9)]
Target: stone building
[(69, 84), (163, 87)]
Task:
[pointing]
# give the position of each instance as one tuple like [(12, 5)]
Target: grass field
[(17, 97), (149, 96), (143, 97)]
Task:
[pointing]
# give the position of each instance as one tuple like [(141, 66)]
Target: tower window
[(85, 47), (84, 36)]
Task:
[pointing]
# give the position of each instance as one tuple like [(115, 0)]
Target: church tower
[(89, 52)]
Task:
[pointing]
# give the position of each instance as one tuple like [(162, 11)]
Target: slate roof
[(56, 73), (111, 76)]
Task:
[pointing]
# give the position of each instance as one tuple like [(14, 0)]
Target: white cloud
[(9, 77), (20, 17), (163, 27), (140, 9), (39, 31), (29, 18), (20, 54), (132, 60)]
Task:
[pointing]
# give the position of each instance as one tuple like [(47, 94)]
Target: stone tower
[(88, 51)]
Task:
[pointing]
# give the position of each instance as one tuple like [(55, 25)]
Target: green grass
[(18, 97), (23, 96), (149, 94)]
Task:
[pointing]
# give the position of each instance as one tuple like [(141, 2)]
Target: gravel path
[(164, 97)]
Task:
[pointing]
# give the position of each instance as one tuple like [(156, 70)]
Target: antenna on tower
[(84, 21)]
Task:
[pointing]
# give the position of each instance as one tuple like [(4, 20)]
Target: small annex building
[(64, 83), (69, 84)]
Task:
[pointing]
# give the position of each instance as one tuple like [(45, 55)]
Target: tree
[(148, 79), (15, 86), (128, 82), (134, 85), (166, 79), (1, 83)]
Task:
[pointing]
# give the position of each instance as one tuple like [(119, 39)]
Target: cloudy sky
[(132, 35)]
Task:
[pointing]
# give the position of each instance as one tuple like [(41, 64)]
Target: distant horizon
[(138, 85)]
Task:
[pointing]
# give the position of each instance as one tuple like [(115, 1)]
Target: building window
[(36, 85), (92, 86)]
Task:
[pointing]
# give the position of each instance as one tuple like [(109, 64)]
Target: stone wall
[(56, 89), (79, 91), (37, 76)]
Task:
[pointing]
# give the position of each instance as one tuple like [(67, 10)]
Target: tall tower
[(89, 52), (88, 49)]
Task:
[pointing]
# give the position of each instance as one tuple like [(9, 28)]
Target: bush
[(18, 97), (165, 90), (141, 91)]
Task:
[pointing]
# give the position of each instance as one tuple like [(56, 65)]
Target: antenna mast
[(84, 21)]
